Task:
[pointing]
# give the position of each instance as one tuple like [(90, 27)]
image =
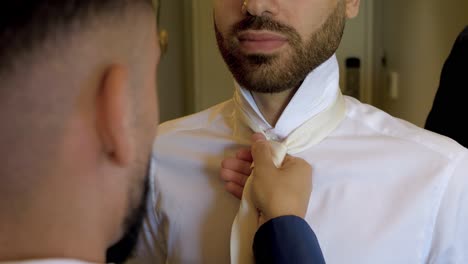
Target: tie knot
[(278, 151)]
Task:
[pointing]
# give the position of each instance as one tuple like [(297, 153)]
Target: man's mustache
[(265, 23)]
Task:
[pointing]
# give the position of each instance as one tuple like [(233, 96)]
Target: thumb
[(288, 159), (258, 137), (291, 161), (261, 153)]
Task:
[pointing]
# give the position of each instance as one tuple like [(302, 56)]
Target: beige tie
[(310, 133)]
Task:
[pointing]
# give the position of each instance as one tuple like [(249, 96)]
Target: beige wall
[(212, 82), (417, 38)]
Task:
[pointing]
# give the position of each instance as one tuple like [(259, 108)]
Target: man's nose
[(261, 7)]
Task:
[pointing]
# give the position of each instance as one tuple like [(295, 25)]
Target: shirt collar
[(318, 91)]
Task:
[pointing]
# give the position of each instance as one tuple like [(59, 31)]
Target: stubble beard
[(287, 69), (124, 249)]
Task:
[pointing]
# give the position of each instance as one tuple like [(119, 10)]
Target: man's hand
[(275, 192), (279, 191), (235, 171)]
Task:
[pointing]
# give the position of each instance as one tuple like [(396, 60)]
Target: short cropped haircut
[(26, 24), (35, 37)]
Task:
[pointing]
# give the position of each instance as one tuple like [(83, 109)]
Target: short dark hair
[(25, 24)]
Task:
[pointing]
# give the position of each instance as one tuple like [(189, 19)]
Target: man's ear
[(113, 106), (352, 8)]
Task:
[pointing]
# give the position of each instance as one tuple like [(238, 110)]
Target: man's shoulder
[(396, 129), (203, 120)]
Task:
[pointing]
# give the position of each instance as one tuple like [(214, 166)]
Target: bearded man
[(384, 190)]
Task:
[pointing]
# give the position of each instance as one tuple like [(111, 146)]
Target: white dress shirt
[(385, 191)]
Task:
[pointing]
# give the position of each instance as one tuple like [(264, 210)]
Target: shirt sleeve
[(450, 235), (287, 239)]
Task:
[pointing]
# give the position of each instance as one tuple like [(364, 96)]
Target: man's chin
[(123, 250), (265, 74)]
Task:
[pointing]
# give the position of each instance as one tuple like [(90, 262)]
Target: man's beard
[(280, 72), (123, 250)]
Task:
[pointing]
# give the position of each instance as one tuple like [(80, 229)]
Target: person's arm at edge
[(287, 239)]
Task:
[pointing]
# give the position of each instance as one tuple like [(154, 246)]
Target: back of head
[(38, 54), (55, 56)]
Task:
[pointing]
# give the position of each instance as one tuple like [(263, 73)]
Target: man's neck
[(272, 105), (29, 239)]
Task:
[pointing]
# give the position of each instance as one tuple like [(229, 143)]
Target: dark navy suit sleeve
[(287, 239)]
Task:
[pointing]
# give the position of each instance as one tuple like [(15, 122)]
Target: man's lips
[(261, 42)]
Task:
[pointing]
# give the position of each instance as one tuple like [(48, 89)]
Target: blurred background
[(391, 56)]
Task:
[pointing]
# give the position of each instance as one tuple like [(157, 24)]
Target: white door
[(212, 81), (357, 43), (171, 75)]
